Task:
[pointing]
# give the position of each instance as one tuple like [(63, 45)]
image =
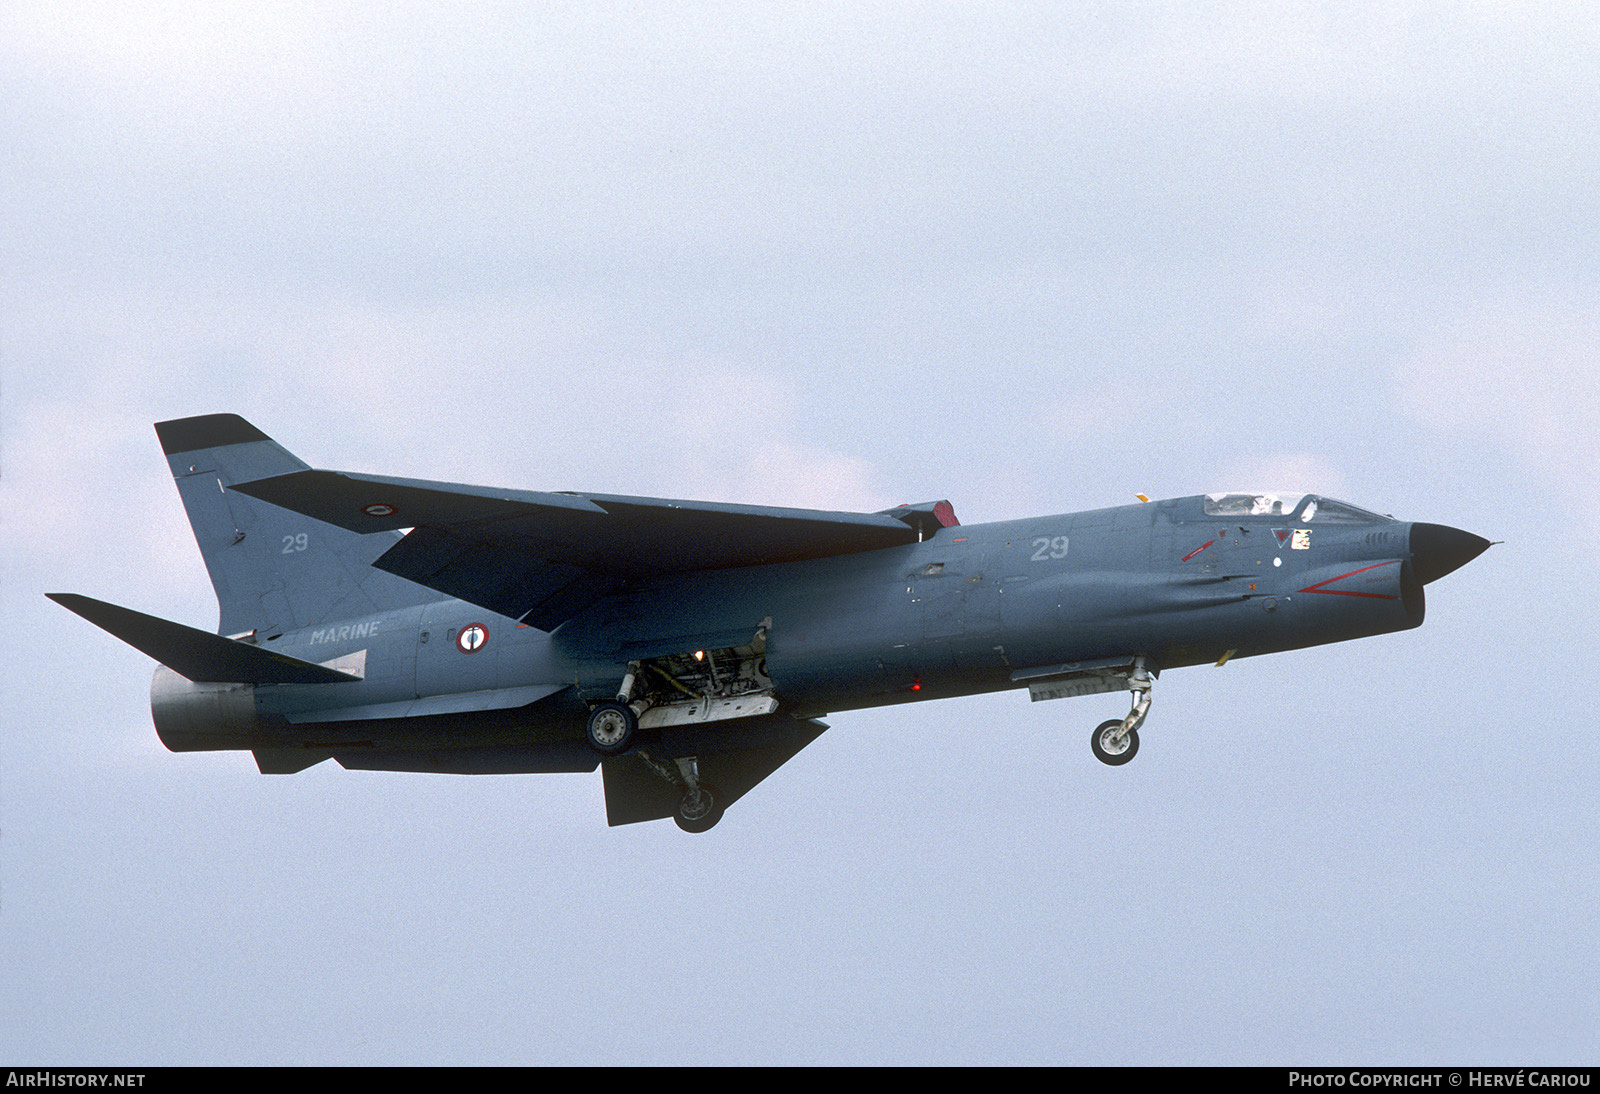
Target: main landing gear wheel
[(612, 727), (1109, 750), (698, 809)]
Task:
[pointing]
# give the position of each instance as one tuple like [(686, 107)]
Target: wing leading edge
[(542, 557)]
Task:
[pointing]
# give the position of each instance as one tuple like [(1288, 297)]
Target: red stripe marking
[(1197, 550), (1318, 587)]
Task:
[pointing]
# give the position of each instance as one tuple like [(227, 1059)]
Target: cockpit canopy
[(1306, 508)]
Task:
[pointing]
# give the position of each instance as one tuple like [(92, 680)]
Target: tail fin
[(272, 569)]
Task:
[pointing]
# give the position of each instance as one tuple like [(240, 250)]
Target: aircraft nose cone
[(1437, 549)]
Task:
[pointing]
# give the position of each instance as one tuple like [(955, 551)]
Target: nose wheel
[(1113, 745), (1117, 741)]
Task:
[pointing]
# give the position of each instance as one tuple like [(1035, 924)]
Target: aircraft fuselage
[(689, 648), (971, 608)]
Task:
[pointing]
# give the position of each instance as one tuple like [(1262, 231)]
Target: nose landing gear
[(1117, 741), (1112, 744)]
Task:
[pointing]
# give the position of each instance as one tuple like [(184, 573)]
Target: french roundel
[(473, 637)]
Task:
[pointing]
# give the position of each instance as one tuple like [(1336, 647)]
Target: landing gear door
[(731, 761)]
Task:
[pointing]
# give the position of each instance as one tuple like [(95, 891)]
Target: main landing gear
[(699, 807), (682, 690), (612, 727), (1117, 741)]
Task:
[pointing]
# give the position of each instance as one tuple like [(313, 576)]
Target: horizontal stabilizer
[(195, 654)]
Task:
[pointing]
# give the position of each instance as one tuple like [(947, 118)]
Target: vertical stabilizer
[(272, 569)]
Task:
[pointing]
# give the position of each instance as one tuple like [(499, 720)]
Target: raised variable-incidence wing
[(689, 649), (543, 558)]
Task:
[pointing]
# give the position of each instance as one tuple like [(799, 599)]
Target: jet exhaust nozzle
[(203, 717)]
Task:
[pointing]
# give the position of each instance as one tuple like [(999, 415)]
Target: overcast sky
[(1032, 258)]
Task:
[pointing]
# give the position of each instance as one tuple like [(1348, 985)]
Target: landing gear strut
[(613, 726), (1117, 741), (702, 804), (699, 808)]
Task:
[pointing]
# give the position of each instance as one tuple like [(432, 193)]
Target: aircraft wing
[(543, 557)]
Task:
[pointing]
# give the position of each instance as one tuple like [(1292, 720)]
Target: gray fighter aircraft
[(688, 649)]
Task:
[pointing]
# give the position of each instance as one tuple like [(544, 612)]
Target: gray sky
[(1032, 258)]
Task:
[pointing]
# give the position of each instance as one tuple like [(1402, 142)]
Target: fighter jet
[(689, 649)]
